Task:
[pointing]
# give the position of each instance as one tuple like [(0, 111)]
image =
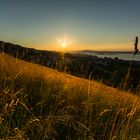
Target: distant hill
[(103, 52), (30, 54)]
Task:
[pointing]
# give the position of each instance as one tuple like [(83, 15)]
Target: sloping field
[(43, 104)]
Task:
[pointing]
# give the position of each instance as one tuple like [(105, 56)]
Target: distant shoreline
[(125, 55), (92, 51)]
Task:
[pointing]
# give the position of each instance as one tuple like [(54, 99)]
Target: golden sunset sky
[(87, 24)]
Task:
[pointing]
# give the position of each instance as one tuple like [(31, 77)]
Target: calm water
[(123, 56)]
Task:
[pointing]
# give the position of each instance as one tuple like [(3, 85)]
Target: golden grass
[(41, 103)]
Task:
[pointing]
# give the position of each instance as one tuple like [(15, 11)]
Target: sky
[(84, 24)]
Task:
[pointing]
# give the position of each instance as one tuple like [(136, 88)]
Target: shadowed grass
[(38, 103)]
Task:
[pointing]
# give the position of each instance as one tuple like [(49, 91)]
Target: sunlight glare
[(64, 42)]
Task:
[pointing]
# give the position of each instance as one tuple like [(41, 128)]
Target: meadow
[(38, 103)]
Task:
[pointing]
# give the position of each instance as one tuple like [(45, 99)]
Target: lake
[(123, 56)]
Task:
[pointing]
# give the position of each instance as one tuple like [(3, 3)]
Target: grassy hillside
[(38, 103)]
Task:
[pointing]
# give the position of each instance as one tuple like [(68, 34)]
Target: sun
[(64, 45), (64, 42)]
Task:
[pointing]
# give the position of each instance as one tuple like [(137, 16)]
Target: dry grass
[(43, 104)]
